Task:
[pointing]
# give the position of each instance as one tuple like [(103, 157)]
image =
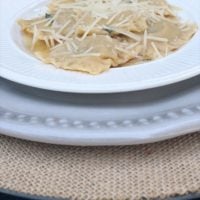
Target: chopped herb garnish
[(109, 30), (52, 23), (47, 15)]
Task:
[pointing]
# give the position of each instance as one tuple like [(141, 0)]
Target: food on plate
[(95, 35)]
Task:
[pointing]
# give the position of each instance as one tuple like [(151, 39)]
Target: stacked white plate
[(130, 105)]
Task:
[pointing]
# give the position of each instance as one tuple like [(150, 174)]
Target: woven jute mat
[(161, 169)]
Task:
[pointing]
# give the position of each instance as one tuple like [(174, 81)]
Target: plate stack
[(130, 105)]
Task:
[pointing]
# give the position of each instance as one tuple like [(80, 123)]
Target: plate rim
[(164, 119), (118, 88), (24, 131)]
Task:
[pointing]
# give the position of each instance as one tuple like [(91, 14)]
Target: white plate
[(109, 119), (17, 65)]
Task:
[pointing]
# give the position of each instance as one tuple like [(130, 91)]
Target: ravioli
[(93, 36)]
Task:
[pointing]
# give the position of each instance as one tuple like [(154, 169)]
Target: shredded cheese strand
[(156, 50)]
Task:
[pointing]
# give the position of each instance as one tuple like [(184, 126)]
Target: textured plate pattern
[(115, 119), (112, 124), (21, 67)]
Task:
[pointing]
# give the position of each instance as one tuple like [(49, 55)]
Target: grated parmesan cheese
[(155, 38), (35, 37), (145, 40), (126, 26), (87, 55), (90, 28), (64, 26), (156, 50)]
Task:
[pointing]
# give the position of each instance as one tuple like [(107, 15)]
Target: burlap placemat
[(101, 173)]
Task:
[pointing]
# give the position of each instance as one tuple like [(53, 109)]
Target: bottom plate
[(101, 119)]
